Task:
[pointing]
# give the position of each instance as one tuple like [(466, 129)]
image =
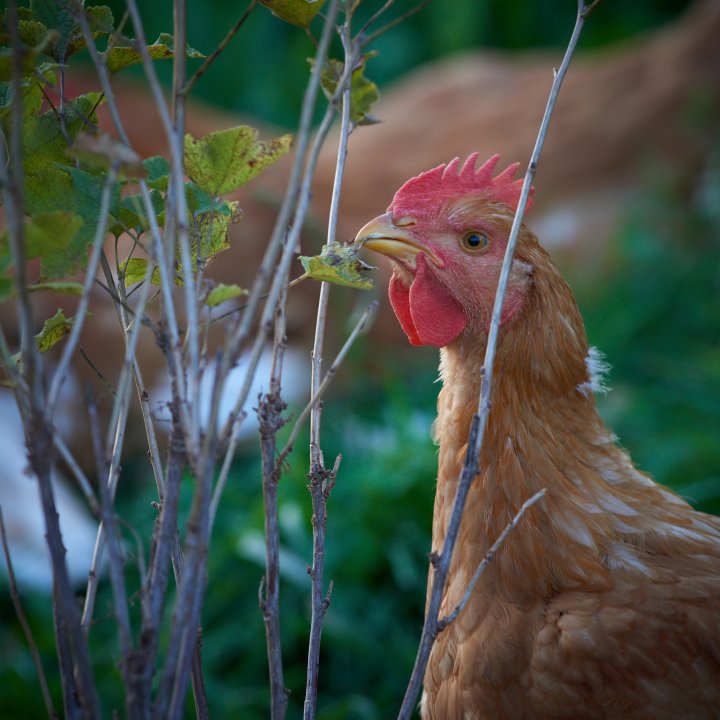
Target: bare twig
[(319, 475), (368, 39), (223, 44), (322, 481), (77, 326), (489, 557), (25, 625), (116, 562), (471, 467), (270, 411), (362, 324)]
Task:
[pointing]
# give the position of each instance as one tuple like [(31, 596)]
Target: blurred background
[(627, 201)]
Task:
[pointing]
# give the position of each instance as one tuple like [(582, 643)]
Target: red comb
[(421, 196)]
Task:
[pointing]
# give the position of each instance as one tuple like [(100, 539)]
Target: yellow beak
[(383, 236)]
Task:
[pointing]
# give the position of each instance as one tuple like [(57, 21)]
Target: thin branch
[(471, 467), (368, 39), (319, 475), (489, 557), (116, 562), (77, 472), (223, 44), (77, 326), (25, 625), (322, 481), (362, 324), (270, 411)]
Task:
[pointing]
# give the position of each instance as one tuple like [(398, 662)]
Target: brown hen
[(605, 602)]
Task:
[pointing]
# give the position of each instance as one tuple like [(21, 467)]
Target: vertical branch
[(321, 479), (117, 565), (441, 561), (79, 692), (270, 417)]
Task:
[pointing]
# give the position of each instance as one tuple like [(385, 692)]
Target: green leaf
[(337, 264), (68, 37), (134, 271), (209, 231), (32, 96), (225, 160), (131, 213), (49, 236), (363, 92), (158, 170), (55, 16), (296, 12), (66, 188), (64, 287), (222, 293), (54, 330), (119, 57), (43, 142)]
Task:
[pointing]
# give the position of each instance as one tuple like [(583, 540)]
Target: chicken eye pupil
[(475, 240)]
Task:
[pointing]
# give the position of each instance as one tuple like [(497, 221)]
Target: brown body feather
[(605, 601)]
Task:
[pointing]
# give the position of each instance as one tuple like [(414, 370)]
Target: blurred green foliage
[(263, 71)]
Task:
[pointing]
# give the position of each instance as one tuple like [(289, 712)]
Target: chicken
[(605, 601)]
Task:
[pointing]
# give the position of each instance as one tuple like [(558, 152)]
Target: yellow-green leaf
[(209, 231), (338, 264), (134, 270), (221, 293), (363, 92), (54, 330), (296, 12), (118, 56), (223, 161)]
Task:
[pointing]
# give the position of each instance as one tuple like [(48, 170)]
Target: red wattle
[(427, 313), (399, 295)]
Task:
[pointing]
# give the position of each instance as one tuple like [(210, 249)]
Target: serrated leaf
[(338, 264), (119, 57), (225, 160), (363, 92), (54, 330), (64, 287), (222, 293), (296, 12), (209, 231)]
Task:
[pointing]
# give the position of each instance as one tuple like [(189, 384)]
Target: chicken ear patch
[(427, 313)]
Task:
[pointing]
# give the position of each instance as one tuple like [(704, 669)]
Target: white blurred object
[(295, 389), (22, 512)]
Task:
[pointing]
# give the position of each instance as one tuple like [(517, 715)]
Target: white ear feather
[(597, 369)]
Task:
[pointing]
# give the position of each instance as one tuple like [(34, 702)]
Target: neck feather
[(543, 432)]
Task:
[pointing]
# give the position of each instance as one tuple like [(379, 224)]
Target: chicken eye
[(474, 241)]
